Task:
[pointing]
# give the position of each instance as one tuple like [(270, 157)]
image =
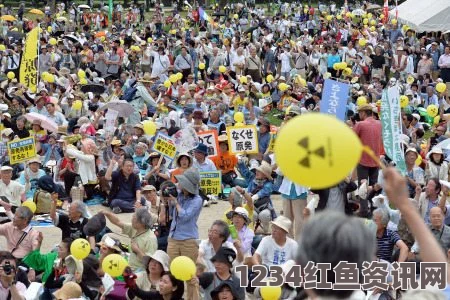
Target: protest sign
[(243, 139), (21, 150), (165, 146), (334, 98), (211, 182), (391, 121), (185, 139), (111, 117), (210, 139)]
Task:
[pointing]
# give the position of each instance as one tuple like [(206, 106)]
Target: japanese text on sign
[(375, 275), (211, 182), (209, 138), (243, 139), (21, 150), (165, 146)]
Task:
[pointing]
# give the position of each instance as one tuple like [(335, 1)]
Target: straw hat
[(70, 290), (266, 169)]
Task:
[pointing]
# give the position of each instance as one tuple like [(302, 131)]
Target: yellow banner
[(211, 182), (21, 150), (28, 66), (165, 146)]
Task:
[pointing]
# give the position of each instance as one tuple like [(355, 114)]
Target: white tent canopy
[(424, 15)]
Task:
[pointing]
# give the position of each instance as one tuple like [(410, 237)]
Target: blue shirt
[(332, 59), (33, 182), (249, 176), (263, 142), (184, 222)]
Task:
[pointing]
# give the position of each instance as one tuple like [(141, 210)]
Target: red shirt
[(369, 132)]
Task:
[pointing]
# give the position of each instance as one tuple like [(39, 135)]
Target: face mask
[(259, 182)]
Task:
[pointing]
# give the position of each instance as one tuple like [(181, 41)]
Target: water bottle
[(233, 232)]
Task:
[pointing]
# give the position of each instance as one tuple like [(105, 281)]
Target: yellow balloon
[(381, 16), (179, 75), (167, 83), (348, 14), (305, 10), (182, 268), (361, 100), (369, 16), (329, 17), (394, 21), (436, 120), (50, 78), (362, 42), (347, 71), (336, 66), (373, 22), (83, 81), (312, 157), (239, 117), (114, 265), (11, 75), (404, 101), (343, 65), (410, 79), (173, 78), (366, 21), (102, 38), (271, 292), (441, 87), (235, 16), (81, 73), (149, 127), (149, 40), (30, 204), (52, 41), (2, 47), (80, 248), (121, 41), (372, 28), (418, 160), (77, 105), (49, 29), (201, 66), (283, 86), (339, 17), (432, 110), (222, 69), (269, 78), (243, 79)]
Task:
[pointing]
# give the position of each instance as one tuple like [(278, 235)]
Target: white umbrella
[(358, 12), (84, 6), (123, 107), (45, 122)]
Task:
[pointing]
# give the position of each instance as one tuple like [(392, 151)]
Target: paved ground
[(52, 235)]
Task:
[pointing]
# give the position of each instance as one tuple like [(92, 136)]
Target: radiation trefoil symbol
[(319, 152)]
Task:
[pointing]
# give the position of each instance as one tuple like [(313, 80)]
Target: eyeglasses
[(213, 231)]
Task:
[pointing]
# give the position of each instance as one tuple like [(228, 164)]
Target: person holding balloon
[(170, 288)]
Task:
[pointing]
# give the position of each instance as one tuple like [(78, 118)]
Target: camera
[(169, 190), (7, 268)]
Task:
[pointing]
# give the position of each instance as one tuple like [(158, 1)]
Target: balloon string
[(373, 156)]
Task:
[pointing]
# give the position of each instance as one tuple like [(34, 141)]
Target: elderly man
[(21, 238), (141, 97), (217, 237), (430, 198), (11, 189), (386, 238), (183, 63), (440, 231), (125, 186), (56, 116), (277, 248), (143, 240)]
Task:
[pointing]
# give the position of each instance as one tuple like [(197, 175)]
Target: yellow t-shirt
[(239, 103), (250, 215)]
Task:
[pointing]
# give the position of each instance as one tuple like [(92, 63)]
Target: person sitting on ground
[(243, 241), (218, 236), (30, 176), (143, 240), (10, 288), (125, 186), (157, 171), (226, 162), (184, 162)]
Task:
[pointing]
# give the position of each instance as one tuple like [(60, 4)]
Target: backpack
[(43, 201), (130, 92)]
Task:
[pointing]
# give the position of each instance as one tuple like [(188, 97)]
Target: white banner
[(110, 121)]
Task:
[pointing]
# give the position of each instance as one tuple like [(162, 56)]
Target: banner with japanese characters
[(210, 139), (211, 182), (165, 146), (28, 70), (243, 139), (21, 150), (334, 98)]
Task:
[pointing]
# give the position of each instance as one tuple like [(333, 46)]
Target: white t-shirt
[(273, 254)]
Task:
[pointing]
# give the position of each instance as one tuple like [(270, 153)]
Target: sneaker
[(116, 210), (213, 199), (205, 203)]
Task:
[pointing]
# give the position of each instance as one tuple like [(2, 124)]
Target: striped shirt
[(386, 243)]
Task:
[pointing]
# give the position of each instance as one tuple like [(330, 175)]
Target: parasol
[(46, 122), (84, 6), (8, 18), (123, 107), (36, 11)]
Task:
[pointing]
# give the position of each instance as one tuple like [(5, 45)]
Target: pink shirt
[(369, 132), (13, 235)]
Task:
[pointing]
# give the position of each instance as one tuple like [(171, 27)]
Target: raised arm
[(113, 218)]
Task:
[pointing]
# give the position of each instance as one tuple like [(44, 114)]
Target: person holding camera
[(10, 288)]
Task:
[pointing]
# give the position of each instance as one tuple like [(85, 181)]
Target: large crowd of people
[(120, 113)]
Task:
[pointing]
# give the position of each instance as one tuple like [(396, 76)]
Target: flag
[(391, 121), (396, 9), (110, 10), (334, 98), (386, 11), (28, 69), (204, 16)]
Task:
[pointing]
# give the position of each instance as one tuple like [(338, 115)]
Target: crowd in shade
[(122, 127)]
